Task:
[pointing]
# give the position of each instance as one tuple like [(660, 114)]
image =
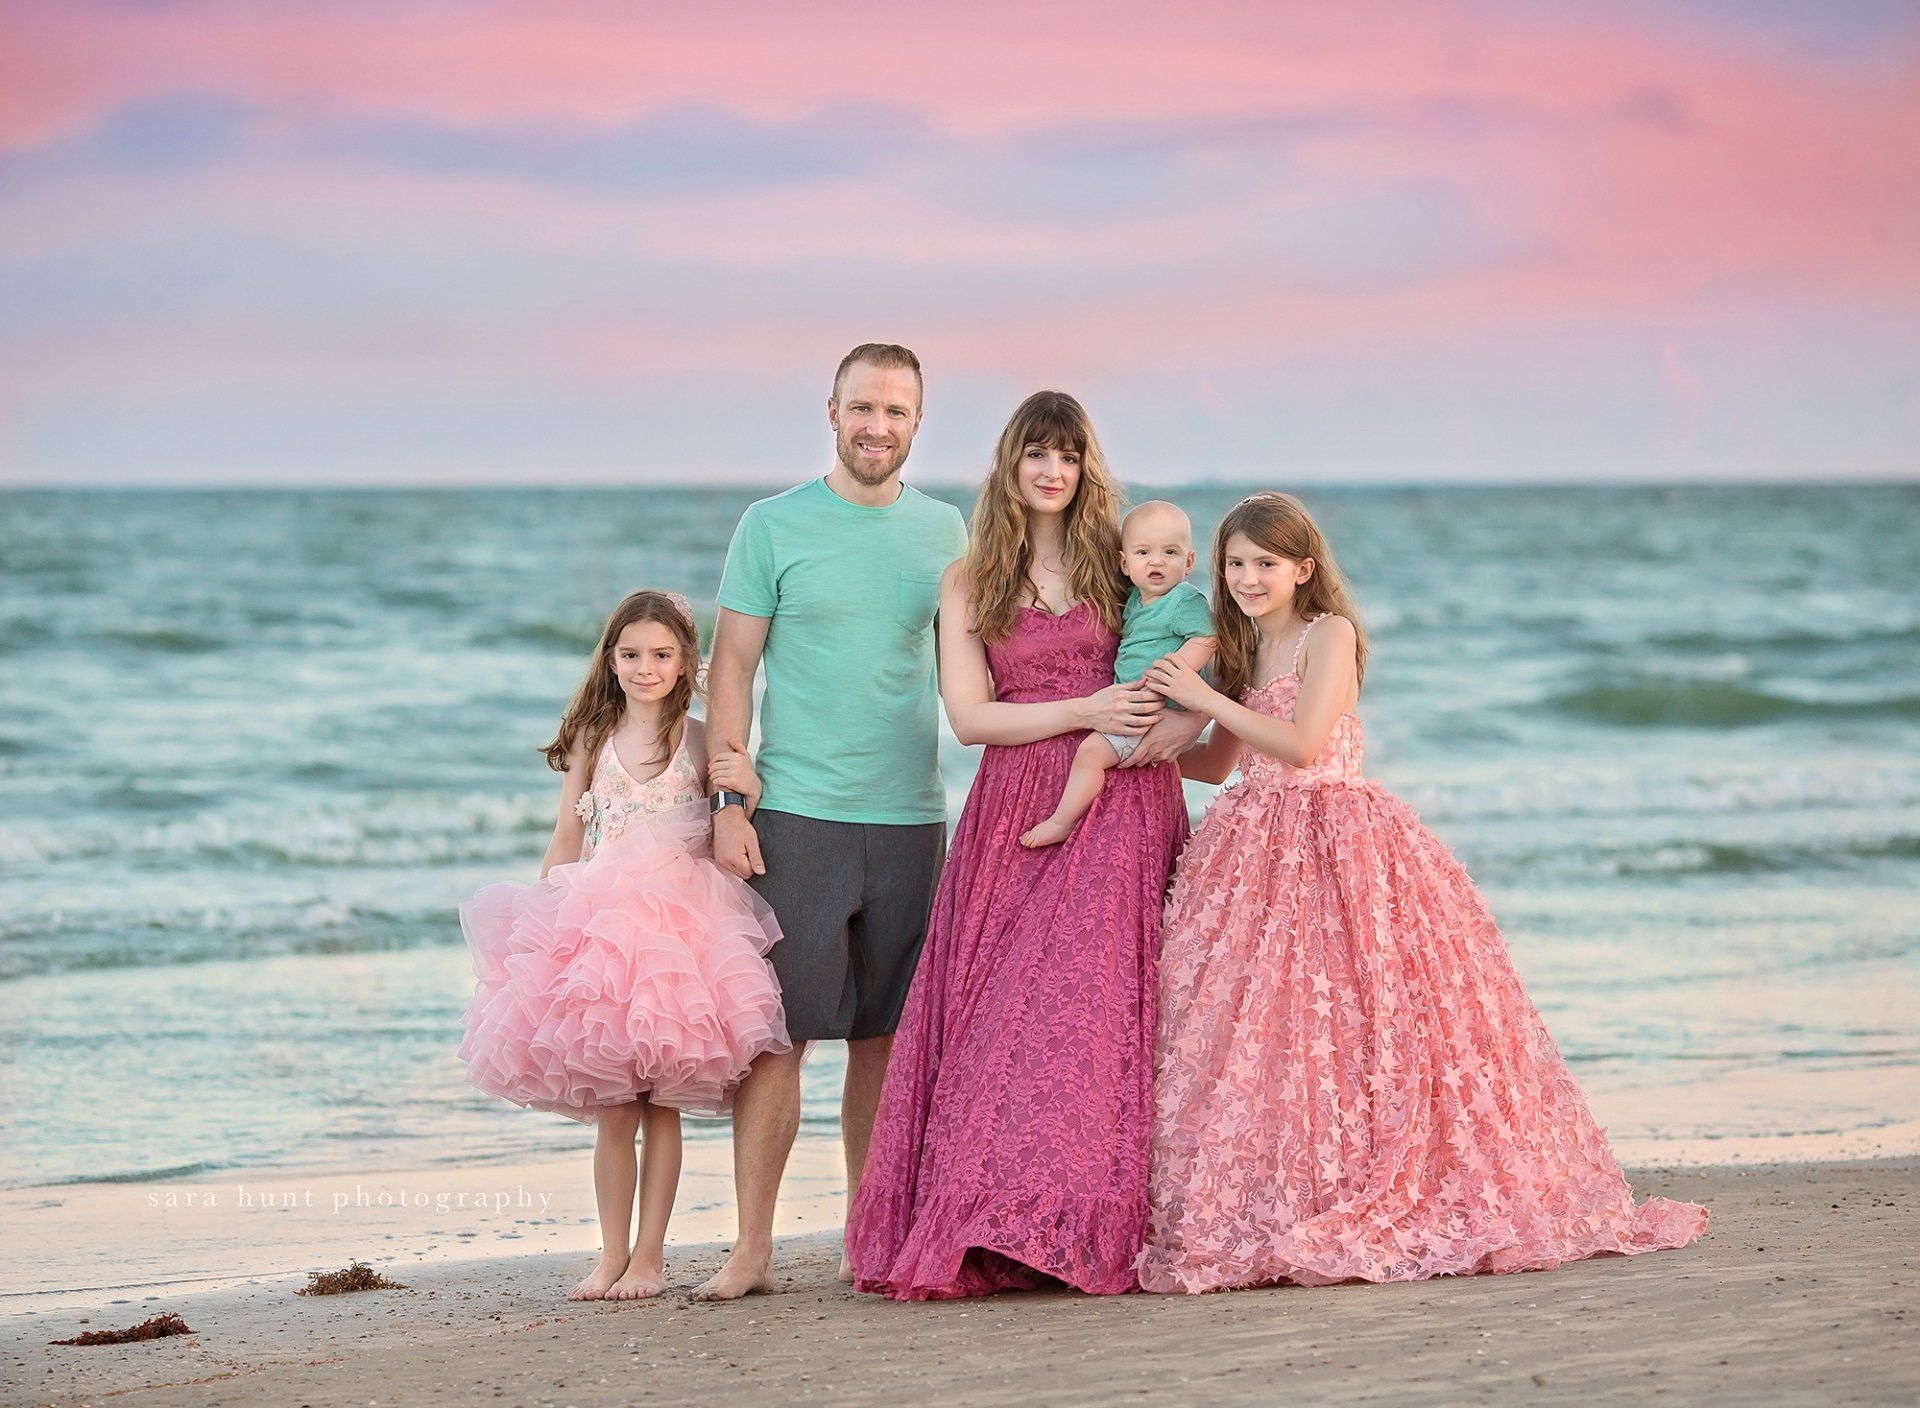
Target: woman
[(1011, 1143)]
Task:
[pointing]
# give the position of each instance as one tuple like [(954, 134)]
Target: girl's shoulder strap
[(596, 760), (1300, 642), (688, 757)]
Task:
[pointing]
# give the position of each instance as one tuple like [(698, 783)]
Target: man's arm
[(738, 640)]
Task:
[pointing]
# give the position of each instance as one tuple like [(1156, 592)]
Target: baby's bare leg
[(1084, 781)]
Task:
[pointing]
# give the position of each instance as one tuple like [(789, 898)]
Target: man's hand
[(1169, 738), (736, 847)]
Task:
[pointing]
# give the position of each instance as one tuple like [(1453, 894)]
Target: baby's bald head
[(1156, 519), (1156, 547)]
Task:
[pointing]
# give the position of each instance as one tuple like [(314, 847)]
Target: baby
[(1164, 616)]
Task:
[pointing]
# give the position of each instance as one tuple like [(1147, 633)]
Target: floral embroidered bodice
[(1051, 657), (1340, 755), (616, 797)]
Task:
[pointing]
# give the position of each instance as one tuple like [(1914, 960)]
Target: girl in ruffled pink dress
[(1350, 1083), (629, 983)]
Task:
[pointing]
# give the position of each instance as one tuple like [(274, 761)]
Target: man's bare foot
[(1047, 833), (643, 1279), (743, 1275), (594, 1287)]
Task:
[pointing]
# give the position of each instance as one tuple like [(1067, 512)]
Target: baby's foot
[(594, 1287), (644, 1279), (1047, 833), (743, 1275)]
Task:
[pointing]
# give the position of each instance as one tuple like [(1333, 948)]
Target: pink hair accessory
[(685, 606)]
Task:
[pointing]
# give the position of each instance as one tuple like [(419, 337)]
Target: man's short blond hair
[(886, 355)]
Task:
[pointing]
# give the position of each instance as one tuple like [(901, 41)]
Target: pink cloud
[(1633, 158), (1603, 174)]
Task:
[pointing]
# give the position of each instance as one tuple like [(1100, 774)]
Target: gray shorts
[(852, 900), (1124, 744)]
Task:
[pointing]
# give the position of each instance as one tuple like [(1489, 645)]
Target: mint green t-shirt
[(849, 721), (1151, 629)]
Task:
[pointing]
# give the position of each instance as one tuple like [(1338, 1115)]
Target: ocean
[(256, 746)]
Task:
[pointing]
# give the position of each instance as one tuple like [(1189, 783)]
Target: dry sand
[(1804, 1291)]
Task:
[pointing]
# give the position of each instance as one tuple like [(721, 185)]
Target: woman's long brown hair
[(1281, 524), (1000, 557), (599, 703)]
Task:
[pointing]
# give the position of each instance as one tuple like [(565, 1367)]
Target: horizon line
[(1896, 478)]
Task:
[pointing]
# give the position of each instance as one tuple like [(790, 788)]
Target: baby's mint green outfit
[(849, 720), (1151, 629)]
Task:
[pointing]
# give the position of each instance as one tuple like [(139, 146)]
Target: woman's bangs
[(1054, 426)]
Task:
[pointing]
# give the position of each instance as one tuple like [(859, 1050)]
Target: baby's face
[(1156, 551)]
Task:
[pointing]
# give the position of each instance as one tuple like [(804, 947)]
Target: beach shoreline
[(101, 1244), (93, 1243), (1803, 1291)]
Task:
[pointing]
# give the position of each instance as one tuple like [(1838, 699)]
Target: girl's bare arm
[(1326, 691), (569, 831)]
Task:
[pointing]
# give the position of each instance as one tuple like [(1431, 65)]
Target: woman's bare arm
[(966, 687)]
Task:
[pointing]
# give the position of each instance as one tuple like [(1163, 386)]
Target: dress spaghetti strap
[(1300, 643)]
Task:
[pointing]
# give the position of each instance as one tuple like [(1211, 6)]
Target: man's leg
[(766, 1117), (902, 875), (859, 1099), (866, 1073), (813, 884)]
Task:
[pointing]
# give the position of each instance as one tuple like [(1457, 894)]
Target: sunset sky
[(418, 241)]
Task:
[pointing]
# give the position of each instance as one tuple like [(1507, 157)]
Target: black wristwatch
[(724, 798)]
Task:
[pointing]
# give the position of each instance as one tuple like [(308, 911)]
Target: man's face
[(874, 418)]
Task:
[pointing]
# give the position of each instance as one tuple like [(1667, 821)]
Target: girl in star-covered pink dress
[(1350, 1083)]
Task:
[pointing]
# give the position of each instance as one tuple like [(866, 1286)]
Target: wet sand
[(1804, 1291)]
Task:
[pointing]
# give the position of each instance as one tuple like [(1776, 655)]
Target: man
[(833, 584)]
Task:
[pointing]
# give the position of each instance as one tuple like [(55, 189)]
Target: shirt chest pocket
[(917, 598)]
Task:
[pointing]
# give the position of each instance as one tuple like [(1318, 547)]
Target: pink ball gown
[(1351, 1083), (637, 970), (1011, 1141)]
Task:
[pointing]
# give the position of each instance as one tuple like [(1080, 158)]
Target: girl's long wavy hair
[(598, 704), (1000, 556), (1281, 524)]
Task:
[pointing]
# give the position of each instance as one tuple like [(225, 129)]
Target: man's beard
[(872, 472)]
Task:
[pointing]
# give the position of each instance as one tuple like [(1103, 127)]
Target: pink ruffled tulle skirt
[(639, 971)]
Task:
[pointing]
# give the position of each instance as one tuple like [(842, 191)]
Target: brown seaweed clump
[(357, 1277), (159, 1327)]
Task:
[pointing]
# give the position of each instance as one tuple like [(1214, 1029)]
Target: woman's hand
[(732, 771), (1174, 678), (1121, 708), (1169, 738)]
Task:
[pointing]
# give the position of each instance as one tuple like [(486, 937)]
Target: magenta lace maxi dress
[(1012, 1133)]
